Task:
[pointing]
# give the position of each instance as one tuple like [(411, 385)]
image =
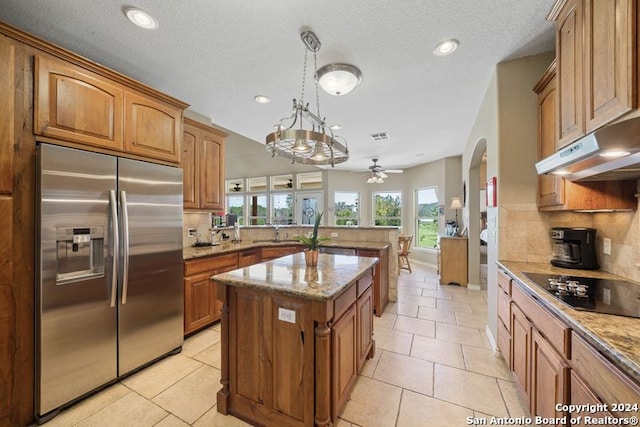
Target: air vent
[(381, 136)]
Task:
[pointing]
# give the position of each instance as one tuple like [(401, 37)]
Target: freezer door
[(151, 300), (75, 320)]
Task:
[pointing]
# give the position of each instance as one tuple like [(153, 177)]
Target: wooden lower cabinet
[(269, 253), (549, 379), (201, 306), (294, 372), (521, 351), (581, 394), (249, 257), (380, 278)]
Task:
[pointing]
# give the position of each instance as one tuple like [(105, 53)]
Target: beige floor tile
[(443, 304), (459, 334), (196, 343), (342, 423), (471, 320), (468, 389), (372, 404), (471, 297), (171, 421), (85, 408), (436, 294), (454, 289), (130, 410), (417, 410), (438, 351), (515, 403), (211, 356), (484, 361), (369, 366), (161, 375), (192, 396), (212, 418), (391, 340), (402, 308), (404, 290), (412, 325), (407, 372), (420, 300), (386, 321), (446, 316)]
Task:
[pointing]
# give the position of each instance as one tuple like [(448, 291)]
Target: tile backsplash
[(524, 236)]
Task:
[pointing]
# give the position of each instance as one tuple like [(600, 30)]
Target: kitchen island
[(294, 337)]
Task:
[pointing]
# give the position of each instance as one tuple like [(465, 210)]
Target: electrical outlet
[(192, 232), (286, 315), (334, 234), (606, 296), (606, 246)]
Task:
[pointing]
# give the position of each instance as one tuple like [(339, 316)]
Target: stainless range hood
[(611, 153)]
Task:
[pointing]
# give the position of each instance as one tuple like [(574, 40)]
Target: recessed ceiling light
[(261, 99), (141, 18), (446, 47), (335, 127)]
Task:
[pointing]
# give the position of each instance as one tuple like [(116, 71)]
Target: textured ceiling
[(217, 55)]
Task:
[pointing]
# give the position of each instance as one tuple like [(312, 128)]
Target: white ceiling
[(217, 55)]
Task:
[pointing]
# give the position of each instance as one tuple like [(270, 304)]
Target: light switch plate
[(606, 246), (334, 234), (286, 315)]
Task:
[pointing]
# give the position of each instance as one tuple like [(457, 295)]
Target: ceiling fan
[(378, 173)]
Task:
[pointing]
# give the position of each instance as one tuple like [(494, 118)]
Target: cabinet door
[(188, 163), (210, 158), (521, 351), (270, 253), (581, 394), (380, 278), (152, 128), (7, 114), (549, 379), (344, 355), (609, 56), (364, 316), (249, 257), (569, 47), (453, 253), (77, 105), (200, 304), (550, 187)]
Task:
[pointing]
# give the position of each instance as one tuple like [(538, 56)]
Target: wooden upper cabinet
[(7, 113), (203, 166), (550, 187), (152, 128), (569, 52), (77, 105), (609, 57)]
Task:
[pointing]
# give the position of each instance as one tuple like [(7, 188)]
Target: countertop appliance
[(606, 296), (574, 248), (608, 154), (109, 291)]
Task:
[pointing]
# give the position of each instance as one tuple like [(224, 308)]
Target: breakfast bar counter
[(294, 337)]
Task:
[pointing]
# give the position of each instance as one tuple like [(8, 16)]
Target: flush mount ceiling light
[(261, 99), (338, 79), (315, 144), (446, 47), (141, 18)]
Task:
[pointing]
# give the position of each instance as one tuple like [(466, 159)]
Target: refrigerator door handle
[(116, 245), (125, 245)]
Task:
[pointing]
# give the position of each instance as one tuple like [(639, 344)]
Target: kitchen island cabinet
[(293, 338)]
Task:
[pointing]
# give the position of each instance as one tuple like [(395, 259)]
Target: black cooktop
[(606, 296)]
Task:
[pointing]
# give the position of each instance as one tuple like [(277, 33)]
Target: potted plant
[(312, 242)]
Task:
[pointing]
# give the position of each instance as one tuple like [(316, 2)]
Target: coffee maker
[(574, 248)]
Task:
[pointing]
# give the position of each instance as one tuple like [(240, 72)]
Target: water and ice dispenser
[(79, 254)]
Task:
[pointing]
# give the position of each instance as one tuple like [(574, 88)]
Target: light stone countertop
[(616, 337), (291, 276), (229, 246)]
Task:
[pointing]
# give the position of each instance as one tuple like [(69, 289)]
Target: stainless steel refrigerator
[(109, 291)]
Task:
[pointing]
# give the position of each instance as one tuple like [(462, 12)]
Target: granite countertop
[(616, 337), (290, 275), (229, 246)]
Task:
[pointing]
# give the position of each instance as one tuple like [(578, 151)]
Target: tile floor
[(433, 367)]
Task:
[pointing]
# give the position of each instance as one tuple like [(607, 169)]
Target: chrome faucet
[(277, 228)]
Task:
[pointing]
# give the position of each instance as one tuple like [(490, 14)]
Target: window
[(346, 208), (257, 214), (427, 217), (235, 206), (309, 180), (281, 182), (387, 208), (282, 205)]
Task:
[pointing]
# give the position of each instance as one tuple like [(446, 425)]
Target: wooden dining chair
[(404, 246)]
